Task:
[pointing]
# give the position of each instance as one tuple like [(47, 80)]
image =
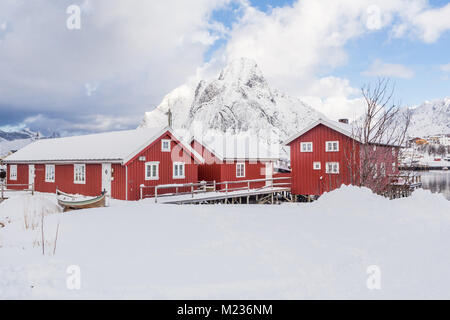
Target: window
[(165, 145), (316, 165), (383, 169), (394, 167), (178, 170), (49, 173), (306, 147), (375, 167), (332, 167), (79, 173), (13, 172), (240, 170), (152, 170), (332, 146), (393, 151), (374, 148)]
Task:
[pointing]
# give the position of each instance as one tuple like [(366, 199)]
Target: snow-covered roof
[(344, 128), (116, 146), (237, 147)]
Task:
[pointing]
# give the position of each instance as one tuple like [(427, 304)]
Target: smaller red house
[(325, 155), (118, 162), (234, 158)]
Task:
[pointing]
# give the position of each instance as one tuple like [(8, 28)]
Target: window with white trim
[(332, 146), (178, 170), (332, 167), (375, 169), (306, 147), (165, 145), (394, 167), (316, 165), (79, 173), (374, 148), (13, 172), (152, 170), (393, 151), (383, 169), (49, 173), (240, 170)]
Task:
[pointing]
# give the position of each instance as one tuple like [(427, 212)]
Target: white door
[(31, 174), (106, 178), (269, 174)]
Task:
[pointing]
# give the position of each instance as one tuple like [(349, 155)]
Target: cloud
[(445, 67), (390, 70), (124, 59), (129, 54)]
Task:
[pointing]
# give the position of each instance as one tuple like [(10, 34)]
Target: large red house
[(325, 155), (117, 162), (234, 158)]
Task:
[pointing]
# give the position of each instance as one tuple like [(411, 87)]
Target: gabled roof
[(344, 128), (236, 147), (116, 146)]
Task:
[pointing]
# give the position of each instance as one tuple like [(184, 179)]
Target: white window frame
[(334, 165), (151, 164), (75, 174), (242, 165), (50, 173), (375, 169), (317, 165), (383, 169), (304, 147), (331, 143), (13, 172), (178, 176), (162, 145), (394, 167)]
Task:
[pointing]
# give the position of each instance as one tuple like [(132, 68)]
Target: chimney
[(343, 121)]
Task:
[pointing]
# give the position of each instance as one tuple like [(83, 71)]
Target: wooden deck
[(208, 193)]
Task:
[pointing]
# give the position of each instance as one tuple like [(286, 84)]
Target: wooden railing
[(6, 187), (213, 186)]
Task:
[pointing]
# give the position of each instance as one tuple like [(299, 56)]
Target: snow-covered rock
[(239, 100), (430, 118)]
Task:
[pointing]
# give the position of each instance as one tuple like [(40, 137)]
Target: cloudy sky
[(127, 55)]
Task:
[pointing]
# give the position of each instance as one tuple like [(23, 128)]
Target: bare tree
[(380, 131)]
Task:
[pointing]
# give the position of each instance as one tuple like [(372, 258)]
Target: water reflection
[(437, 182)]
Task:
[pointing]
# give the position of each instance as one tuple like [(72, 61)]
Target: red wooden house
[(234, 158), (325, 155), (118, 162)]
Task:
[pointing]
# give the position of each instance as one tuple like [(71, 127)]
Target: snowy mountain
[(239, 100), (15, 140), (430, 118)]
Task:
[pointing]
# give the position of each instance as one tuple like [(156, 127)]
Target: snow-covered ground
[(145, 250)]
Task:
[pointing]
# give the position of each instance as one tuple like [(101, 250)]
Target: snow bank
[(28, 208), (291, 251)]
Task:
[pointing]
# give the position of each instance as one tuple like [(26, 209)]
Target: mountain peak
[(238, 100), (243, 71)]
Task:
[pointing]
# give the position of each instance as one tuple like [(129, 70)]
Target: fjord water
[(437, 181)]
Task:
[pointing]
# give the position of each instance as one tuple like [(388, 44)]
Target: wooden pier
[(274, 191)]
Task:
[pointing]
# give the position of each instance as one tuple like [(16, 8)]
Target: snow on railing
[(211, 186), (7, 187)]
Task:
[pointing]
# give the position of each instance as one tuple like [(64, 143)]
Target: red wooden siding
[(216, 170), (305, 180), (136, 168), (22, 176), (39, 180), (118, 183)]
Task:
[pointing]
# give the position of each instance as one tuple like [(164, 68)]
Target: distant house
[(234, 158), (325, 155), (117, 162)]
